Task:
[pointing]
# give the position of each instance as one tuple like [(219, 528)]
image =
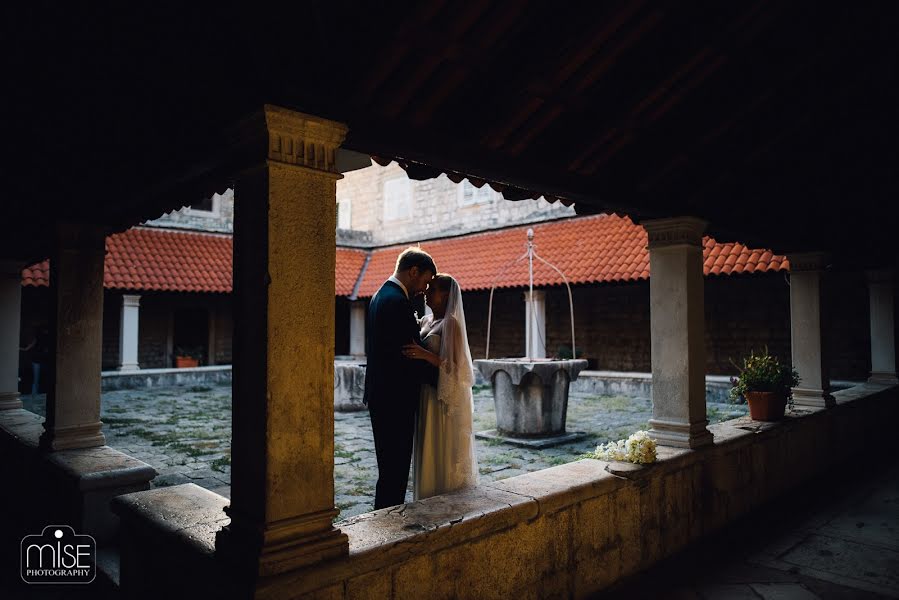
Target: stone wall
[(437, 207), (613, 328), (507, 334), (220, 218), (155, 346)]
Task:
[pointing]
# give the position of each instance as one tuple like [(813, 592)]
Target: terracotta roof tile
[(594, 249), (349, 266), (588, 250)]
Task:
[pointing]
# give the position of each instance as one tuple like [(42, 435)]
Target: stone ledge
[(433, 523), (183, 513), (148, 378), (23, 426), (558, 487), (101, 467)]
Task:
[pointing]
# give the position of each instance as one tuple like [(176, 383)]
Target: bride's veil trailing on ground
[(454, 388)]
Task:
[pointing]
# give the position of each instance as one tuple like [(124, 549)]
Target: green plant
[(190, 351), (763, 373)]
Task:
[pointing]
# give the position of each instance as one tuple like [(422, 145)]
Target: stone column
[(535, 326), (10, 311), (128, 326), (883, 344), (282, 451), (76, 332), (357, 328), (677, 322), (806, 330)]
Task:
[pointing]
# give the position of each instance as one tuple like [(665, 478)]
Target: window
[(470, 195), (344, 213), (397, 199)]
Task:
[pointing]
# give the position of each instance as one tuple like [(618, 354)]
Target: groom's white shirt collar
[(399, 283)]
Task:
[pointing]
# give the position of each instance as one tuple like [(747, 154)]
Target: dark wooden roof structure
[(775, 120)]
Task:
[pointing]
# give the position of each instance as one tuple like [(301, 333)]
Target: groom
[(392, 381)]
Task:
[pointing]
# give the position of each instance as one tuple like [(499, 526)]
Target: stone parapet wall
[(150, 378), (567, 531), (220, 219)]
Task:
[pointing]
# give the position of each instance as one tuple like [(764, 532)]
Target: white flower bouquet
[(638, 448)]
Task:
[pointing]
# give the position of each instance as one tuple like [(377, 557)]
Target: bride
[(444, 455)]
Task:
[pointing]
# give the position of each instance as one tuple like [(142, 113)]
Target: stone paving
[(185, 433)]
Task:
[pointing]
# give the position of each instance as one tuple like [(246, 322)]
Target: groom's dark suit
[(392, 388)]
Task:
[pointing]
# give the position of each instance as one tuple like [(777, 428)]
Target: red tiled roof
[(37, 275), (159, 260), (177, 261), (587, 249), (601, 248), (349, 265)]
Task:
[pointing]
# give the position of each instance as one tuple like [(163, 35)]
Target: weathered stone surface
[(517, 368), (102, 467), (22, 425), (416, 578), (558, 487), (371, 586), (349, 385), (193, 513), (407, 529), (531, 396)]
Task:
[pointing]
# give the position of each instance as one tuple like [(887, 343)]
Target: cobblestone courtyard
[(185, 433)]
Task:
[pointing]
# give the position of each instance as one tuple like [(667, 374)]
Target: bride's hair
[(443, 281)]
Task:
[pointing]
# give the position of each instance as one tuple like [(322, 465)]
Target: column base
[(680, 435), (10, 400), (129, 367), (282, 546), (883, 378), (71, 438), (814, 398)]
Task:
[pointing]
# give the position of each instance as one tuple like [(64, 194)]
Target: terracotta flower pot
[(186, 362), (766, 406)]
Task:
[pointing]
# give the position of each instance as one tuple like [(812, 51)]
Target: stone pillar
[(128, 326), (282, 451), (76, 333), (806, 330), (677, 322), (357, 328), (535, 326), (10, 311), (883, 344)]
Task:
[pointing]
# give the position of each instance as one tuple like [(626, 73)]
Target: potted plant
[(188, 357), (766, 384)]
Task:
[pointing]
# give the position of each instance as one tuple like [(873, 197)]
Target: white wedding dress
[(444, 450)]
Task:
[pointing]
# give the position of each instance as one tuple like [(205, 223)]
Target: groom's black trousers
[(394, 429)]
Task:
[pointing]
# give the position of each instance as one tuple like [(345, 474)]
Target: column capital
[(880, 275), (131, 300), (808, 261), (674, 231), (292, 138)]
